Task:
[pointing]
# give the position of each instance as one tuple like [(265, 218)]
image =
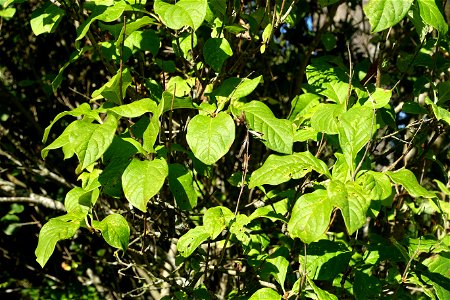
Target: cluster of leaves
[(174, 133)]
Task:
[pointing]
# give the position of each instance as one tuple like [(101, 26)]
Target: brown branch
[(35, 199)]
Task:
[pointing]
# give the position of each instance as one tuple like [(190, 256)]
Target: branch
[(36, 199)]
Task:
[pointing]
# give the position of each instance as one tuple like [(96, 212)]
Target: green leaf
[(422, 29), (171, 102), (275, 211), (408, 180), (142, 180), (310, 216), (439, 112), (321, 294), (216, 51), (377, 185), (132, 27), (135, 109), (431, 15), (278, 169), (210, 138), (277, 134), (152, 130), (108, 14), (54, 230), (191, 240), (326, 259), (379, 98), (91, 141), (267, 33), (46, 18), (80, 201), (356, 127), (182, 187), (115, 231), (180, 87), (87, 140), (325, 118), (236, 88), (439, 275), (302, 107), (383, 14), (183, 13), (280, 264), (111, 89), (8, 12), (217, 219), (265, 294), (306, 133), (146, 40), (352, 201), (336, 91), (237, 227), (83, 109)]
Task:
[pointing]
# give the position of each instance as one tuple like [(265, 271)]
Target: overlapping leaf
[(182, 13), (276, 134), (115, 231)]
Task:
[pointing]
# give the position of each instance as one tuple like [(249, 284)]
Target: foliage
[(219, 156)]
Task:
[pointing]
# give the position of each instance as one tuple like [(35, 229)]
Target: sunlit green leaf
[(46, 18), (383, 14), (408, 180), (325, 118), (183, 13), (108, 14), (111, 90), (321, 294), (301, 107), (439, 273), (210, 138), (278, 169), (115, 231), (353, 202), (439, 112), (237, 227), (356, 127), (279, 266), (135, 109), (265, 294), (432, 16), (191, 240), (276, 134), (142, 180), (310, 216), (80, 201), (235, 88), (54, 230), (275, 211), (217, 219)]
